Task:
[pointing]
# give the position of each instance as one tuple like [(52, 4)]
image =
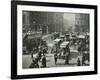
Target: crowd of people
[(38, 53)]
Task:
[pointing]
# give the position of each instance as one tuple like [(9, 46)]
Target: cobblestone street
[(49, 60)]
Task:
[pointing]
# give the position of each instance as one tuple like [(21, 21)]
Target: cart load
[(63, 52), (81, 36), (64, 44), (57, 40)]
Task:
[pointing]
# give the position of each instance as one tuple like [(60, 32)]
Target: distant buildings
[(82, 23), (47, 22)]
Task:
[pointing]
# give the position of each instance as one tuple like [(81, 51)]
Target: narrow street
[(49, 61), (50, 56), (64, 34)]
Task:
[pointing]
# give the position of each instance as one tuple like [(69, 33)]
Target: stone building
[(47, 22), (82, 23)]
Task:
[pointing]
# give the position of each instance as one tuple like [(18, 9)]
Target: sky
[(69, 20)]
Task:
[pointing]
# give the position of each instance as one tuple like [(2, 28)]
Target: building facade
[(47, 22), (82, 23)]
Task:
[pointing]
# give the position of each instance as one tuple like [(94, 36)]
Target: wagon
[(63, 53)]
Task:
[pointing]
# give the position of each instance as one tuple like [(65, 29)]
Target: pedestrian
[(39, 54), (66, 59), (80, 49), (67, 55), (44, 51), (83, 59), (34, 63), (32, 54), (44, 61), (78, 62), (55, 57)]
